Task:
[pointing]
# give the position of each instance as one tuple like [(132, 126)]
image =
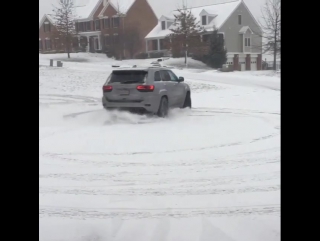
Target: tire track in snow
[(170, 151), (239, 160), (132, 190), (131, 178), (54, 99), (81, 213)]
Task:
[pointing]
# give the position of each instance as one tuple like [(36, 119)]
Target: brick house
[(47, 31), (113, 26), (235, 24)]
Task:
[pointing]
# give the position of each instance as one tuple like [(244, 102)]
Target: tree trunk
[(68, 47), (275, 51)]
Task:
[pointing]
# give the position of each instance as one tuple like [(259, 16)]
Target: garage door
[(254, 64), (242, 63)]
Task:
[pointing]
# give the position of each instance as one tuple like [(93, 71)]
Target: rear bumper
[(148, 106)]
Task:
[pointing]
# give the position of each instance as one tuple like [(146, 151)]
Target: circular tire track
[(127, 213), (66, 99)]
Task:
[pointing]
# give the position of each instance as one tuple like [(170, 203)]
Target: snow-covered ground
[(210, 173)]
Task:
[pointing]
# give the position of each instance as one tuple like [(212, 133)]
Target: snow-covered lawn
[(210, 173)]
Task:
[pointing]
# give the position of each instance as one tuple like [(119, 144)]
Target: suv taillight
[(145, 88), (107, 88)]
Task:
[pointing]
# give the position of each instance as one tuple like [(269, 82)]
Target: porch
[(90, 41), (157, 46)]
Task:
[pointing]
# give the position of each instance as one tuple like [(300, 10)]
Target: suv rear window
[(125, 76)]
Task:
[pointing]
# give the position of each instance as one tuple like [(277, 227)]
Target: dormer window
[(163, 25), (46, 27), (204, 20), (116, 22)]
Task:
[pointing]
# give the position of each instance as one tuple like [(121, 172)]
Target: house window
[(116, 22), (115, 38), (107, 40), (47, 44), (163, 25), (162, 47), (40, 44), (82, 26), (46, 27), (247, 42), (97, 24), (204, 20), (106, 23), (220, 37), (205, 38), (88, 26), (154, 44), (239, 19)]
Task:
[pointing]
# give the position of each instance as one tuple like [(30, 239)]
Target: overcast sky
[(45, 6)]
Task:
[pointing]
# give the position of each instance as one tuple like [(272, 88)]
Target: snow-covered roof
[(47, 16), (88, 7), (244, 29), (222, 11), (123, 5), (85, 9), (165, 7)]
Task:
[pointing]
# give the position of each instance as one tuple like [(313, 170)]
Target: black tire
[(187, 101), (163, 108), (108, 109)]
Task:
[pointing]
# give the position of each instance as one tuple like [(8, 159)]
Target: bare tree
[(121, 35), (132, 40), (271, 28), (185, 28), (64, 18)]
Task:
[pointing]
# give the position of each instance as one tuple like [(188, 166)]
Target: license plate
[(124, 92)]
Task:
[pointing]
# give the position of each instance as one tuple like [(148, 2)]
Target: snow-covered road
[(210, 173)]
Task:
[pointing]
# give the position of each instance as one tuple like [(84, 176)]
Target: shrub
[(141, 56), (156, 55)]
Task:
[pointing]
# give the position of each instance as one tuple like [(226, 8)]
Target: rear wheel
[(108, 109), (187, 101), (163, 108)]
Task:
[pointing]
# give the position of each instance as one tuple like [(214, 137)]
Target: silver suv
[(153, 89)]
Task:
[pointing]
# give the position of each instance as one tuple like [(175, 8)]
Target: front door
[(96, 43), (91, 45)]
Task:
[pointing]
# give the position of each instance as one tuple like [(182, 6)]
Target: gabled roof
[(164, 18), (86, 9), (47, 16), (204, 12), (244, 29), (222, 11), (165, 7), (89, 7), (122, 5)]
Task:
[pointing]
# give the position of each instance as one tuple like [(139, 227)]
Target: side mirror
[(181, 79)]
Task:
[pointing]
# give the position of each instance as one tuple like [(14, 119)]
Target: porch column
[(146, 45), (88, 46), (248, 62), (158, 44), (259, 62), (79, 41), (99, 41)]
